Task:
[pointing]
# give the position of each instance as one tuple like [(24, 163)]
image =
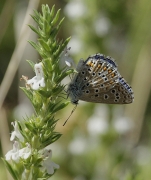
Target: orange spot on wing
[(105, 68), (89, 63), (113, 74), (99, 65), (109, 71)]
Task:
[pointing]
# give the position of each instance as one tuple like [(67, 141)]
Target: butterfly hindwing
[(99, 81)]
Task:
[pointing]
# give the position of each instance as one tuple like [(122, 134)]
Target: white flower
[(78, 146), (75, 9), (65, 59), (16, 133), (37, 81), (14, 153), (24, 153), (102, 25), (98, 123), (47, 164), (122, 125)]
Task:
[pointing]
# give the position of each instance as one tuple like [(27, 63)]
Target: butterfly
[(99, 81)]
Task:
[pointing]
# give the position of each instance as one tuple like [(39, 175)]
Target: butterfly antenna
[(70, 115)]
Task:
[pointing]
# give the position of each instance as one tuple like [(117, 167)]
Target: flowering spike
[(33, 134)]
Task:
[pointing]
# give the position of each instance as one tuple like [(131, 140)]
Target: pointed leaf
[(56, 18), (44, 44), (35, 18), (64, 74), (31, 63), (10, 169), (35, 45), (51, 13), (28, 93), (31, 128), (61, 106), (59, 51), (34, 29)]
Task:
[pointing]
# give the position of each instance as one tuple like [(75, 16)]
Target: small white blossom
[(98, 122), (102, 25), (14, 153), (65, 59), (37, 81), (24, 153), (16, 133), (78, 146), (123, 125), (75, 9), (47, 164)]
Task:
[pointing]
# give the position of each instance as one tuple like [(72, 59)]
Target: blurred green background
[(100, 142)]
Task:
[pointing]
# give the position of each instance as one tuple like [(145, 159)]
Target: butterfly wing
[(99, 81)]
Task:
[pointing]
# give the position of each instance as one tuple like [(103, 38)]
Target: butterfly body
[(99, 81)]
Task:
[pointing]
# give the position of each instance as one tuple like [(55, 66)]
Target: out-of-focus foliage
[(107, 142)]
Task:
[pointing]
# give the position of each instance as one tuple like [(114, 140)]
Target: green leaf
[(31, 63), (24, 134), (55, 31), (52, 138), (31, 128), (28, 93), (52, 12), (10, 169), (44, 44), (57, 90), (51, 106), (35, 18), (35, 45), (56, 18), (61, 106), (45, 93), (34, 29), (64, 74), (37, 101), (59, 51), (36, 14)]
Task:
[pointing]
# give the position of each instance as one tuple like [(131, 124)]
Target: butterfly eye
[(93, 74), (102, 85), (87, 84), (96, 95), (83, 72)]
